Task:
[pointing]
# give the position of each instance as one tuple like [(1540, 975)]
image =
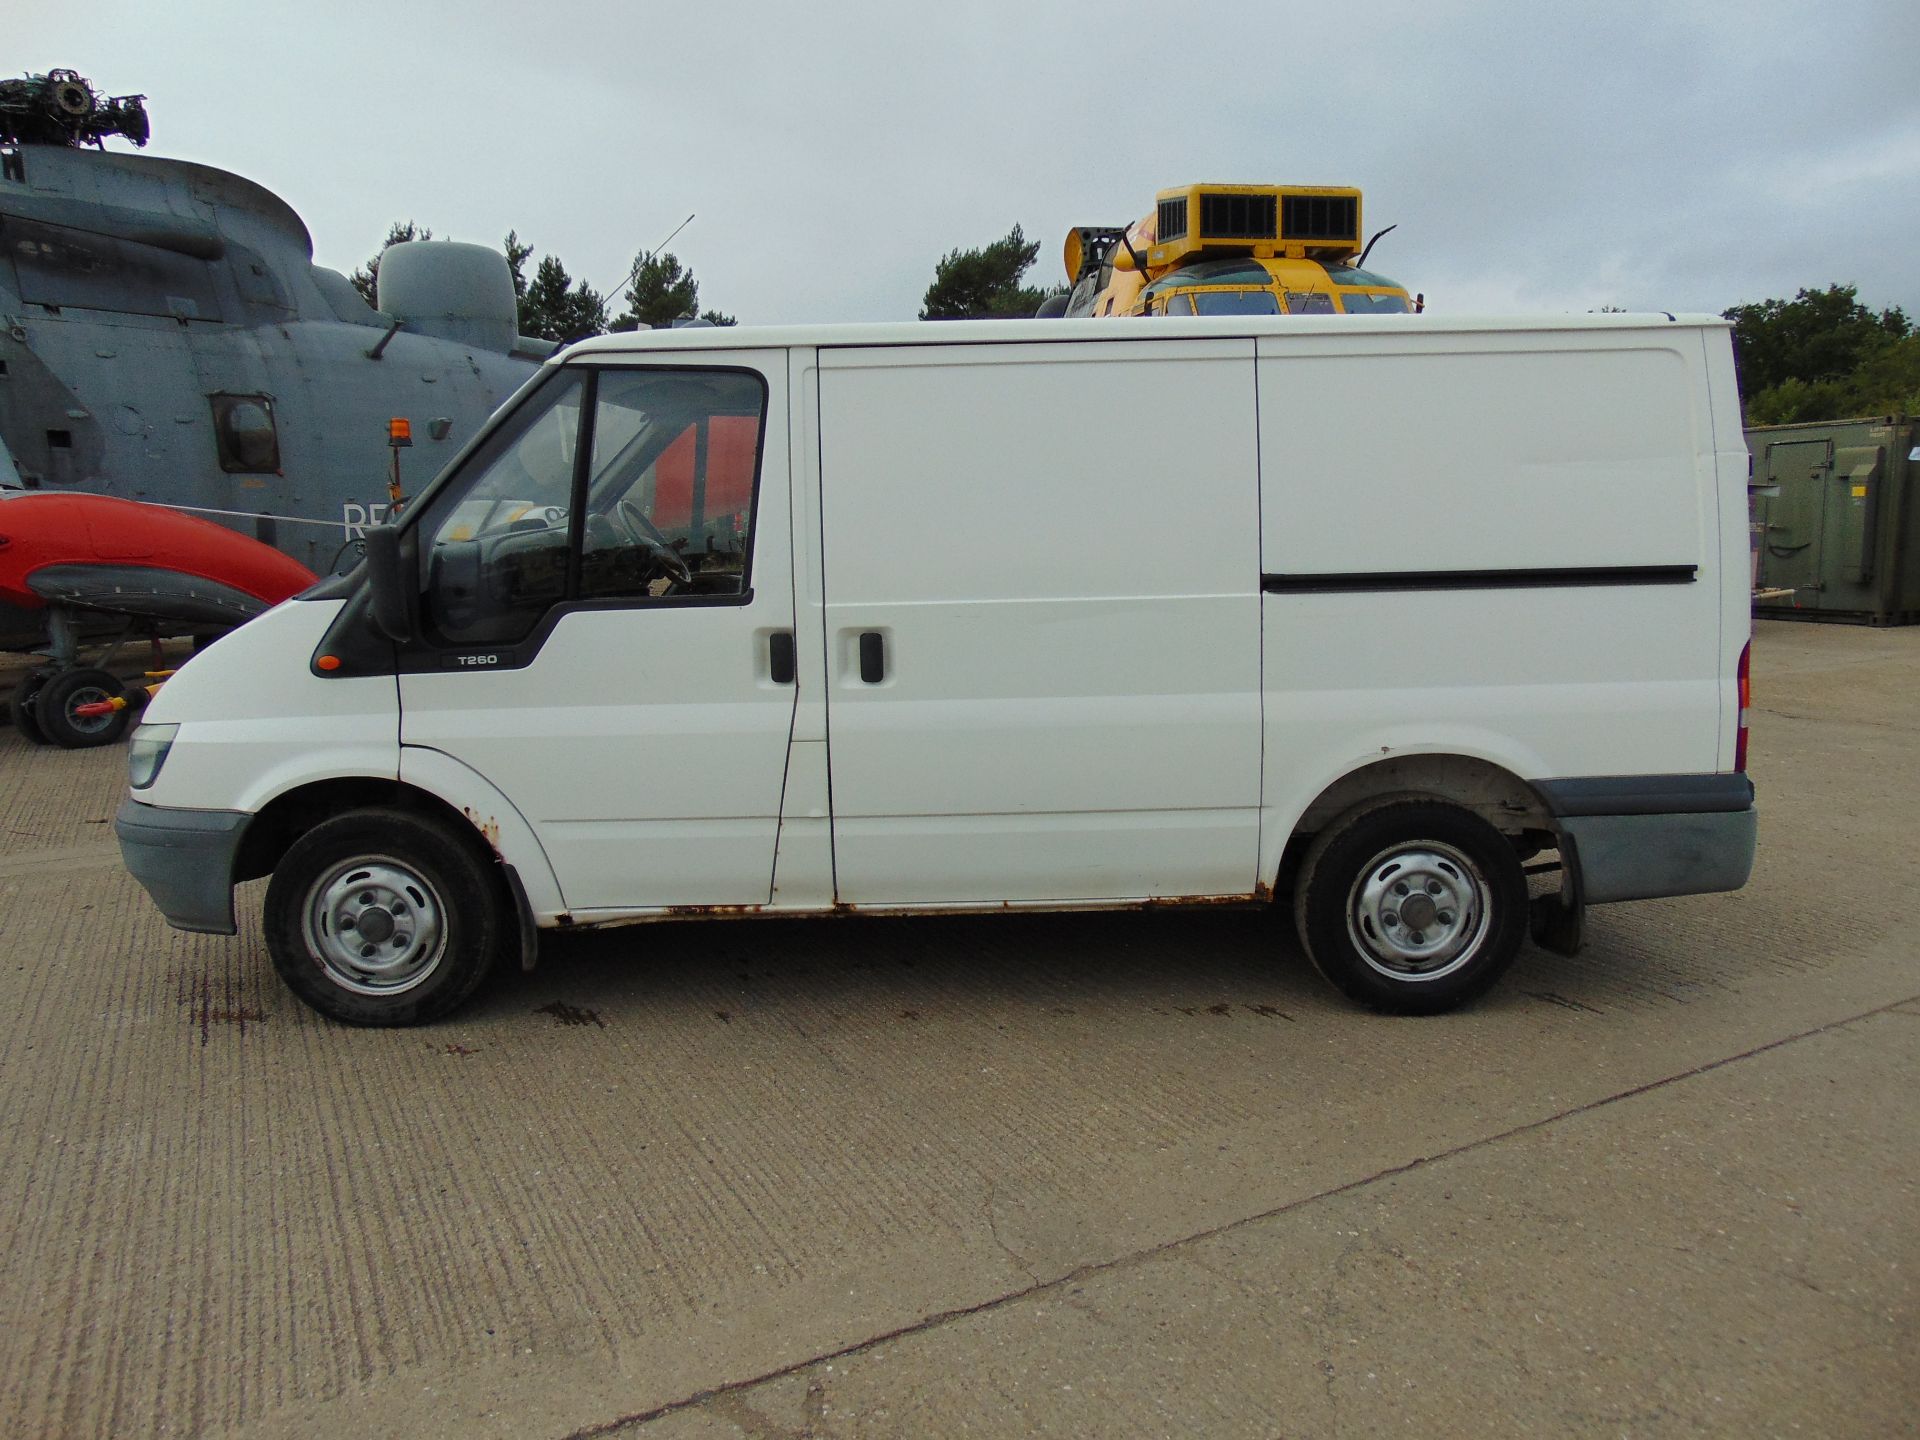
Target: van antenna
[(646, 255), (1361, 263)]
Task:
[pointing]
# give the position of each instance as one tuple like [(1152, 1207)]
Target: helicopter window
[(1181, 304), (1236, 302), (1234, 271), (244, 434), (1309, 302), (670, 486), (1360, 302), (1348, 275)]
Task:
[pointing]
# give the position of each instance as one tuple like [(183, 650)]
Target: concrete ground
[(1110, 1175)]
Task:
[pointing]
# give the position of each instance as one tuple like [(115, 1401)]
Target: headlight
[(147, 752)]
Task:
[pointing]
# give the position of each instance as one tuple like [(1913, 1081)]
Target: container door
[(1793, 515), (609, 608), (1853, 503), (1042, 621)]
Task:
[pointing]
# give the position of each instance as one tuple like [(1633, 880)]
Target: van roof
[(976, 332)]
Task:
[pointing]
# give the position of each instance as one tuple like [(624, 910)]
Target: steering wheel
[(648, 534)]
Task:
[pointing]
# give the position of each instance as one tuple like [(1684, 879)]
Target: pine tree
[(985, 283), (660, 292)]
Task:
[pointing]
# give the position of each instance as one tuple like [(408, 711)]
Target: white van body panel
[(1426, 452), (1071, 702), (506, 831), (256, 723), (1532, 452)]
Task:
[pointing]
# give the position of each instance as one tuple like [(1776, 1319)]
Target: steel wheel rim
[(375, 926), (1419, 910)]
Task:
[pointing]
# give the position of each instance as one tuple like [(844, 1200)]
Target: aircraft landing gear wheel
[(53, 709), (20, 708), (1414, 907), (379, 917)]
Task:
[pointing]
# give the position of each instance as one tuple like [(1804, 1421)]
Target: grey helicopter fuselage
[(166, 337)]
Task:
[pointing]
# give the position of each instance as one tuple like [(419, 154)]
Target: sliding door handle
[(780, 659), (873, 657)]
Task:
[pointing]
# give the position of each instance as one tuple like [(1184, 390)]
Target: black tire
[(20, 708), (1458, 875), (430, 908), (53, 709)]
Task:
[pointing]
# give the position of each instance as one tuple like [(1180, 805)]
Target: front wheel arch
[(282, 820)]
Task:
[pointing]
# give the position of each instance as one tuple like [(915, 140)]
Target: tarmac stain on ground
[(206, 1015), (565, 1014), (1562, 1001), (204, 1010), (1224, 1009)]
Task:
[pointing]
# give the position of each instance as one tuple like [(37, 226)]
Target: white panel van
[(1362, 613)]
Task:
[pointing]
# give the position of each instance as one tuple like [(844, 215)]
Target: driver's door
[(603, 585)]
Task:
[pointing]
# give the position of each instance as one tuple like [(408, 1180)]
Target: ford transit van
[(1362, 613)]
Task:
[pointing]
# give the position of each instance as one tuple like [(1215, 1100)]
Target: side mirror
[(393, 576)]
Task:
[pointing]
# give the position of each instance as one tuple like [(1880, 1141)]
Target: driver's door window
[(670, 487)]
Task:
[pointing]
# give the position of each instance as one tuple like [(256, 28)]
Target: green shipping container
[(1835, 520)]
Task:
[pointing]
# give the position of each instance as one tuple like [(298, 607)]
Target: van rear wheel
[(379, 917), (1414, 907)]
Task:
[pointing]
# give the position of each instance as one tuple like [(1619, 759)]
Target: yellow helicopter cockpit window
[(1370, 302)]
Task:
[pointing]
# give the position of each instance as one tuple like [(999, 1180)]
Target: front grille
[(1171, 222), (1319, 217), (1236, 217)]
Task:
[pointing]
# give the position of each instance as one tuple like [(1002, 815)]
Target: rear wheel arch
[(1487, 789)]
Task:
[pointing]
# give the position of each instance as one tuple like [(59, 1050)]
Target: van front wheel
[(378, 917), (1415, 907)]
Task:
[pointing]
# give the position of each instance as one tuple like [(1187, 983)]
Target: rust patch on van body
[(489, 828), (1259, 898)]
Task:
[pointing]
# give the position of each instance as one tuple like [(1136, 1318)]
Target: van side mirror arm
[(393, 577)]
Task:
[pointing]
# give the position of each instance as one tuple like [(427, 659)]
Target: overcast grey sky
[(1536, 156)]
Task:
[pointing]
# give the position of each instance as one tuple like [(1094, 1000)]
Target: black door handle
[(780, 661), (873, 657)]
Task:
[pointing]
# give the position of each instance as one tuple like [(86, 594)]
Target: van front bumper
[(184, 859), (1646, 836)]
